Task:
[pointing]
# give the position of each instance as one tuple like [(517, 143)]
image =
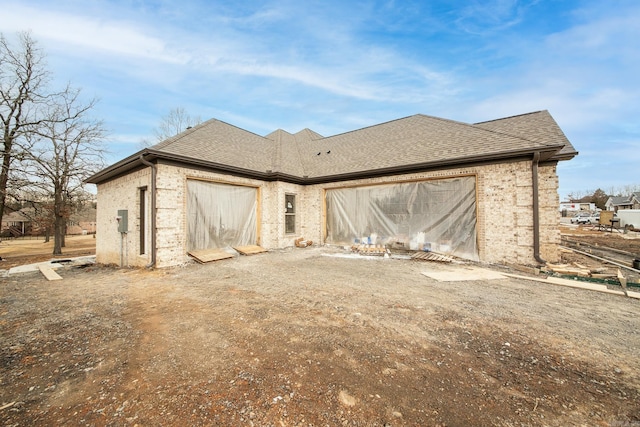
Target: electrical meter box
[(123, 221)]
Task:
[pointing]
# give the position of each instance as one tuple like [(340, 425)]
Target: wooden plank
[(623, 282), (431, 256), (572, 271), (602, 259), (566, 282), (603, 276), (208, 255), (250, 249), (49, 273)]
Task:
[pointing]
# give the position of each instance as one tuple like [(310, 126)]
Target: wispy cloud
[(334, 66), (91, 34)]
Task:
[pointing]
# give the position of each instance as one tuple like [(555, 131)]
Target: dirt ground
[(307, 337), (628, 242)]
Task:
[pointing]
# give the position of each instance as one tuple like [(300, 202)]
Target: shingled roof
[(412, 143), (538, 126)]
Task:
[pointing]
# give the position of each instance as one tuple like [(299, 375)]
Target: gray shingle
[(538, 126), (415, 141), (219, 142)]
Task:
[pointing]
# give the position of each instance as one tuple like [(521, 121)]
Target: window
[(143, 222), (289, 213)]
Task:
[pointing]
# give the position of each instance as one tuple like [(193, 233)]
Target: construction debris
[(575, 270), (49, 273), (208, 255), (301, 243), (576, 284), (370, 249), (431, 256), (250, 249), (623, 282)]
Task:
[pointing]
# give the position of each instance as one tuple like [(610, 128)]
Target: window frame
[(142, 200), (290, 213)]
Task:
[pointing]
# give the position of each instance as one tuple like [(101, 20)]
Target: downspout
[(536, 208), (153, 209)]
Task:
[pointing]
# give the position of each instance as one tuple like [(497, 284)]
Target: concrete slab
[(463, 274), (51, 264)]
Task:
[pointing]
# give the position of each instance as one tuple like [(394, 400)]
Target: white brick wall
[(504, 206), (122, 193)]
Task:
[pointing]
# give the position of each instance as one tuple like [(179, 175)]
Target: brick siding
[(504, 208)]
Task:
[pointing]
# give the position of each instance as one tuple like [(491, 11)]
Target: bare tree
[(176, 121), (23, 77), (64, 151)]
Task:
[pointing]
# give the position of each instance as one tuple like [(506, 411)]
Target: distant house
[(29, 222), (15, 224), (615, 203), (82, 222), (485, 191)]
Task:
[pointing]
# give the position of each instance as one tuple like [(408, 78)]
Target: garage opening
[(220, 215), (436, 215)]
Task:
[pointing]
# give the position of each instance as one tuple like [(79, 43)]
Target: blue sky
[(334, 66)]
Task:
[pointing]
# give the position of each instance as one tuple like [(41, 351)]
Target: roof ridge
[(512, 117), (512, 134), (311, 133), (370, 126), (474, 125), (278, 131), (276, 160), (303, 165), (192, 129), (540, 144)]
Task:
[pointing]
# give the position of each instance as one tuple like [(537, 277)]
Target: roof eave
[(545, 155), (565, 156), (119, 168), (134, 161)]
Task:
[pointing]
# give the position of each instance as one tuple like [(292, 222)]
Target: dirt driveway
[(299, 338)]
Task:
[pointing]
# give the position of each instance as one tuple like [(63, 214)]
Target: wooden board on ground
[(250, 249), (49, 273), (431, 256), (208, 255), (576, 284)]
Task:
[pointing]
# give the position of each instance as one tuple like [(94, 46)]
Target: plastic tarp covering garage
[(437, 215), (220, 215)]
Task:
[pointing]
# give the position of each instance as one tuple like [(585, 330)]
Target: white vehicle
[(586, 218), (629, 218)]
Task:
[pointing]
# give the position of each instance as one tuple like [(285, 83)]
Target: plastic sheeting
[(220, 215), (438, 215)]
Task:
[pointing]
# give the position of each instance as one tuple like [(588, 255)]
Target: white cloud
[(89, 33), (337, 66)]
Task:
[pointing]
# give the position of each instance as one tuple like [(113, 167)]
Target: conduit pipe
[(536, 208), (153, 209)]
